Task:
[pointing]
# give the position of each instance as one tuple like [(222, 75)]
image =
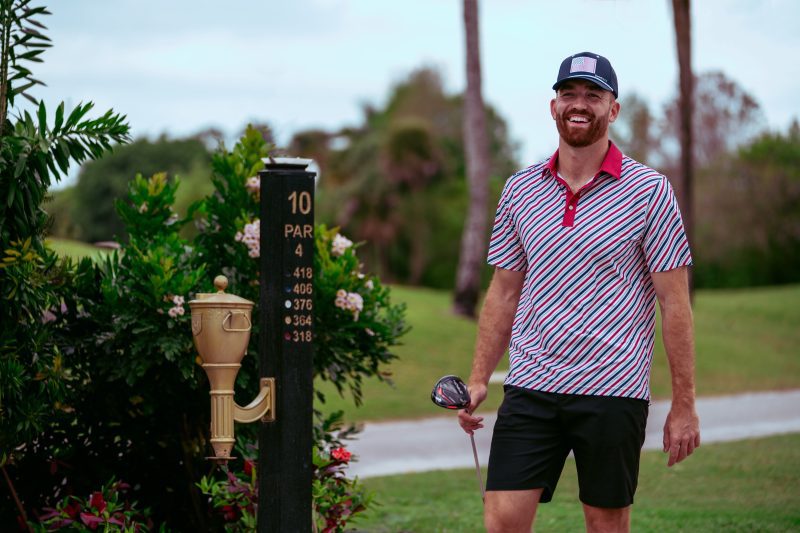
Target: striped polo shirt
[(586, 316)]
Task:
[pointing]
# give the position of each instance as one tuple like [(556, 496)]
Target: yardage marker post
[(285, 347)]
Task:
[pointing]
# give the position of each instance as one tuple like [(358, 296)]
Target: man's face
[(583, 111)]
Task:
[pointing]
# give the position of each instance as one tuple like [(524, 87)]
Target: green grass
[(76, 249), (747, 340), (744, 486), (439, 343)]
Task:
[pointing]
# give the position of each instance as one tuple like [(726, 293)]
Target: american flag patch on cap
[(583, 64)]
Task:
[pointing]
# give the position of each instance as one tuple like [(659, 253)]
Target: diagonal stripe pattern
[(586, 317)]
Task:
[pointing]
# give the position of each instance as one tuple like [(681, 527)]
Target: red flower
[(72, 509), (97, 501), (229, 513), (341, 454), (248, 467)]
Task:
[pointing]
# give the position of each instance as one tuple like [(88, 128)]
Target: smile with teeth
[(578, 119)]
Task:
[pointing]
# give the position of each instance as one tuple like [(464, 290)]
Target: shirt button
[(571, 208)]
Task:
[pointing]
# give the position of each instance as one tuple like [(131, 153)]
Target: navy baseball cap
[(591, 67)]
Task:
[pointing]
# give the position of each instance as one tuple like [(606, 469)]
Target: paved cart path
[(386, 448)]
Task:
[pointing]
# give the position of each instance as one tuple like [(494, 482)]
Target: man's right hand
[(468, 422)]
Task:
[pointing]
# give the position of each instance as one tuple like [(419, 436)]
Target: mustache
[(586, 114)]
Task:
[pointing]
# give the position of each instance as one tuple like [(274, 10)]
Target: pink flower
[(91, 520), (341, 454)]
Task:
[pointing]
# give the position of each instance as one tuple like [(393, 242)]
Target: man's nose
[(580, 102)]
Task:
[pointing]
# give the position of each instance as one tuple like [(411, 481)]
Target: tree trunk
[(476, 146), (683, 38)]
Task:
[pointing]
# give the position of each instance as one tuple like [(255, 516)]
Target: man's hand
[(681, 434), (469, 423)]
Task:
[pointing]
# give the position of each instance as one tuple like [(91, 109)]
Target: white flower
[(356, 301), (143, 207), (340, 244), (251, 237), (177, 300), (173, 312), (369, 285), (349, 301), (254, 185)]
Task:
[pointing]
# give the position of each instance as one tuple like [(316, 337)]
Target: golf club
[(451, 392)]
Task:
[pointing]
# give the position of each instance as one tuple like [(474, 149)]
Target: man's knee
[(510, 511), (607, 520)]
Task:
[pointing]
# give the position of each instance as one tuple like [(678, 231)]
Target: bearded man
[(583, 245)]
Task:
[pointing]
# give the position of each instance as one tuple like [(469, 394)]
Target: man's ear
[(553, 108), (614, 113)]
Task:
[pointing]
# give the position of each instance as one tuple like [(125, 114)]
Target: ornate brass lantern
[(221, 325)]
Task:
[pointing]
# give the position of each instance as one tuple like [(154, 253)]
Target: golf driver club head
[(451, 392)]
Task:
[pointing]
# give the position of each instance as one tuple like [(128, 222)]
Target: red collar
[(612, 163)]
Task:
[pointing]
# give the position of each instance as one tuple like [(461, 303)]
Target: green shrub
[(139, 407)]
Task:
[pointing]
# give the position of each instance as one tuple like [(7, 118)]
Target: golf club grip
[(477, 467)]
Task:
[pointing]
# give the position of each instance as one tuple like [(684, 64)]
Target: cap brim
[(586, 76)]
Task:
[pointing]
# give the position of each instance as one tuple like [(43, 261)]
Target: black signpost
[(286, 350)]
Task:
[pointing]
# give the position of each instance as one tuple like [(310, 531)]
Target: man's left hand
[(681, 434)]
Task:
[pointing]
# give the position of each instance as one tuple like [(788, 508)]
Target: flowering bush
[(356, 324), (336, 498), (234, 498), (107, 510), (138, 397)]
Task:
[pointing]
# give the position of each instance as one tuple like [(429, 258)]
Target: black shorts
[(535, 431)]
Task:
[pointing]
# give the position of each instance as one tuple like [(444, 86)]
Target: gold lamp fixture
[(221, 325)]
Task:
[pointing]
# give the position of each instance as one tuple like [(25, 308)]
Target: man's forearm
[(678, 335), (494, 326)]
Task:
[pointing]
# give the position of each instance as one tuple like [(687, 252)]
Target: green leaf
[(59, 118), (42, 114)]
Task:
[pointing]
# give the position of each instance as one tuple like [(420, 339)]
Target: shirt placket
[(571, 200)]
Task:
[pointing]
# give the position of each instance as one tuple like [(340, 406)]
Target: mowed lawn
[(742, 486), (76, 249), (747, 340)]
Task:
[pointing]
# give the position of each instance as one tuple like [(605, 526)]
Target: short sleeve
[(505, 249), (665, 244)]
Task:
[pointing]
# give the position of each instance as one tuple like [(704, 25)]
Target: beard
[(580, 138)]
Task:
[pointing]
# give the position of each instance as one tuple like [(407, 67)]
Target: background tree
[(635, 130), (476, 144), (681, 11), (398, 179), (101, 183)]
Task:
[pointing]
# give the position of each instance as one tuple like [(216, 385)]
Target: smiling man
[(583, 244)]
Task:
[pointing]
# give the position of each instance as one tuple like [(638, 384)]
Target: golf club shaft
[(477, 467)]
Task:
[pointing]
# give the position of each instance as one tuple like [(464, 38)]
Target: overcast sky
[(179, 66)]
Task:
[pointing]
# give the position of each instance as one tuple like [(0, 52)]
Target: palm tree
[(476, 145), (683, 38)]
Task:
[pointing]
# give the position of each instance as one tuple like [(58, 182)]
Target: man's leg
[(510, 511), (607, 520)]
